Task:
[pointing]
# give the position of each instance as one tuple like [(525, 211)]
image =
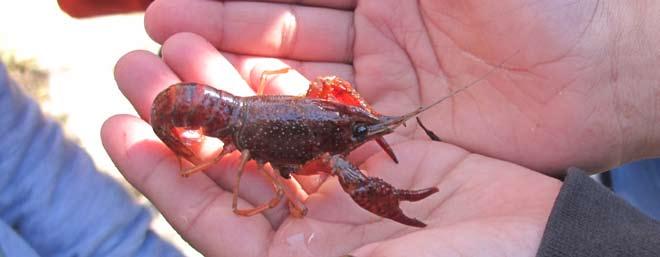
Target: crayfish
[(303, 135)]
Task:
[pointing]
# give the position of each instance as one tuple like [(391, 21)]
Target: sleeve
[(12, 244), (52, 195), (589, 220)]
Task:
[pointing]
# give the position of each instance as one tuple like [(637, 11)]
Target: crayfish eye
[(360, 131)]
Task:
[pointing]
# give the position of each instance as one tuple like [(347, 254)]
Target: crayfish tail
[(180, 146)]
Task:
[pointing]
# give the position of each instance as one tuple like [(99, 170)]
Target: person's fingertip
[(140, 76), (125, 60), (167, 17), (194, 59), (113, 141), (107, 137), (128, 139), (152, 16), (177, 41)]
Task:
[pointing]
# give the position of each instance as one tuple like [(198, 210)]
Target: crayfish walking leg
[(277, 187), (202, 166), (262, 78)]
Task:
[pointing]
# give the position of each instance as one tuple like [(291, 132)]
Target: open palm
[(561, 87), (564, 86), (485, 207)]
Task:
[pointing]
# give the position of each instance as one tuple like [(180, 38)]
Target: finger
[(186, 53), (139, 71), (141, 75), (337, 4), (263, 29), (196, 207), (294, 82), (193, 59), (311, 183)]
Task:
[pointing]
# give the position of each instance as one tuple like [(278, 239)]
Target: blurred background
[(67, 65)]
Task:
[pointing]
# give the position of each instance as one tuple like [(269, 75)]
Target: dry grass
[(29, 75)]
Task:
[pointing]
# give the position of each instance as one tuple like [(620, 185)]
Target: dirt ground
[(79, 57)]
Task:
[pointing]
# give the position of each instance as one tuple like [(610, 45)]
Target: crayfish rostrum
[(296, 134)]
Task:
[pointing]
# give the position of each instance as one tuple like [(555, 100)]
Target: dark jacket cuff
[(589, 220)]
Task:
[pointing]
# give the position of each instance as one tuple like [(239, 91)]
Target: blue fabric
[(12, 244), (639, 184), (53, 201)]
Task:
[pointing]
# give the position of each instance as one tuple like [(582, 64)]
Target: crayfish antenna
[(469, 85), (391, 122), (428, 132)]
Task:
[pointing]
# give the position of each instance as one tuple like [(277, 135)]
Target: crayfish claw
[(382, 199), (416, 195), (376, 195)]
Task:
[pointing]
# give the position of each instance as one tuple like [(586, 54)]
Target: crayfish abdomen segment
[(192, 106)]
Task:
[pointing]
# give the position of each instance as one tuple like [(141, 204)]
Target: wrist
[(644, 28), (633, 34)]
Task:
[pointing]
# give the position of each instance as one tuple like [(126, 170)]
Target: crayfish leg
[(278, 188), (335, 89), (376, 195), (204, 165), (296, 207), (262, 78)]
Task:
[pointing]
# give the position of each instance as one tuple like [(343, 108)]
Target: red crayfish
[(295, 134)]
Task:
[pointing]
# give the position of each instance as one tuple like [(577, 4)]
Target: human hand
[(571, 97), (484, 206)]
